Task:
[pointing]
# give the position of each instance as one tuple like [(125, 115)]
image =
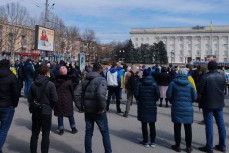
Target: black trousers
[(145, 131), (40, 121), (188, 134), (116, 91)]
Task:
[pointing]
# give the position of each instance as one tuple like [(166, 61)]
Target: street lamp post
[(122, 52)]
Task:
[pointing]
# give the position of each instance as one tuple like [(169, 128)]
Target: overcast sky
[(113, 19)]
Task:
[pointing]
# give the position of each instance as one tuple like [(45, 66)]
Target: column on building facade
[(168, 49), (220, 50), (185, 49), (227, 48), (176, 50), (193, 54), (202, 48)]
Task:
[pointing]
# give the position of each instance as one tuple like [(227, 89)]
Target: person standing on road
[(130, 90), (9, 97), (29, 74), (113, 84), (181, 94), (147, 94), (163, 82), (211, 88), (93, 91), (64, 106), (44, 91)]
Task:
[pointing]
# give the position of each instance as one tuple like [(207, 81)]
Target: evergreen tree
[(163, 58), (129, 52)]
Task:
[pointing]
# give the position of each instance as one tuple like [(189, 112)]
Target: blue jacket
[(147, 94), (28, 71), (181, 95)]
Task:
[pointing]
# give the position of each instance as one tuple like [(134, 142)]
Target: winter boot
[(161, 99)]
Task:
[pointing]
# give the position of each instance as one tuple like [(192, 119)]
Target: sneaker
[(189, 149), (152, 144), (146, 144), (201, 122), (61, 132), (125, 115), (176, 148), (74, 130), (119, 111), (218, 148), (204, 149)]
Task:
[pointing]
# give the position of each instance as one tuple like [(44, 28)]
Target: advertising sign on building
[(82, 61), (44, 38)]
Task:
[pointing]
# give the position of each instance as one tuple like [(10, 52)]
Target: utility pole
[(46, 12)]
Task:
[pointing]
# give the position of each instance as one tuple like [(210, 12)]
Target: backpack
[(133, 81)]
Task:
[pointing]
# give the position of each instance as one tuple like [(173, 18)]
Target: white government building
[(186, 44)]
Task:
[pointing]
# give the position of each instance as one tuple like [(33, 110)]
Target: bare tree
[(14, 15)]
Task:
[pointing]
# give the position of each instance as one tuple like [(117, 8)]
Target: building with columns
[(186, 44)]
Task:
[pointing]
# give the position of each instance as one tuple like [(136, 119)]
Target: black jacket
[(147, 94), (163, 79), (95, 94), (49, 97), (64, 88), (9, 93), (211, 88)]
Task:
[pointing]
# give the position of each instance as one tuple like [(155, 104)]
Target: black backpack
[(133, 81)]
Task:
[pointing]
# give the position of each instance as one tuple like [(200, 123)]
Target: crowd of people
[(58, 87)]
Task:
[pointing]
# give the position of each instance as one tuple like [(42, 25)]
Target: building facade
[(186, 44)]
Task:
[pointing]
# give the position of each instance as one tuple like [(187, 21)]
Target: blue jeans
[(208, 118), (28, 84), (61, 122), (101, 121), (6, 117)]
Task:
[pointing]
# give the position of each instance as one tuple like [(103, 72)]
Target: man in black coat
[(9, 97), (94, 89), (211, 89), (44, 92)]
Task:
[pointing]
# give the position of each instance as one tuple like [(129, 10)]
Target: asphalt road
[(125, 132)]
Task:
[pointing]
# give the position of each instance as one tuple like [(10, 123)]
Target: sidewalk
[(125, 132)]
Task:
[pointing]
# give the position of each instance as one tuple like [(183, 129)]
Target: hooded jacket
[(49, 95), (147, 94), (181, 95), (95, 94), (113, 77), (9, 90), (64, 87)]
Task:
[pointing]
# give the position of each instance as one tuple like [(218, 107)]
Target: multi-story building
[(185, 44)]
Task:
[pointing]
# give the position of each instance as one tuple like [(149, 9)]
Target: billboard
[(82, 61), (44, 38)]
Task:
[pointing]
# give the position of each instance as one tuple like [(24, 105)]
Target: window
[(215, 45), (197, 52), (136, 45), (189, 52), (207, 45), (225, 52), (147, 38), (181, 59), (225, 59), (136, 39), (181, 52), (142, 39), (181, 46)]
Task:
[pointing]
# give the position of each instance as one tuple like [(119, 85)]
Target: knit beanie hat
[(63, 70), (146, 73)]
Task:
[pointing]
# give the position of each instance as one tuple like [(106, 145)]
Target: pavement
[(125, 133)]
